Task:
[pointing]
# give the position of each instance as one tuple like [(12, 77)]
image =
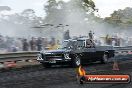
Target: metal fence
[(122, 52)]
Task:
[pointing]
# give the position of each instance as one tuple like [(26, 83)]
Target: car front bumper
[(54, 60)]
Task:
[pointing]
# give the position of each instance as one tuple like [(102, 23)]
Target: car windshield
[(68, 44), (64, 44)]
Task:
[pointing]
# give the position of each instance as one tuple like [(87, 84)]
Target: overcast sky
[(106, 7)]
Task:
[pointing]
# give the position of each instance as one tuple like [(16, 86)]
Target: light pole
[(40, 27)]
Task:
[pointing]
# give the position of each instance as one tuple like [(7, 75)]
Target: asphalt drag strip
[(60, 77)]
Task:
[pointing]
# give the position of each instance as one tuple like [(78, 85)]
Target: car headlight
[(39, 57), (67, 56)]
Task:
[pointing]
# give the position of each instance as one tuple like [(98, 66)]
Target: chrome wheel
[(104, 59), (78, 62)]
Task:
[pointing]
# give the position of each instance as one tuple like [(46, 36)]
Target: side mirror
[(70, 47)]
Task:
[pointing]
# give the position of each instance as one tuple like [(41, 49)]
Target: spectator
[(66, 35), (18, 44), (14, 48), (32, 44), (25, 45), (52, 42), (91, 35), (39, 44)]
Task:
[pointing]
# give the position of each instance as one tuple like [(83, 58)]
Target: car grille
[(53, 56)]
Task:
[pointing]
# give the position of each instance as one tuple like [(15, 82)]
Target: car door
[(89, 51)]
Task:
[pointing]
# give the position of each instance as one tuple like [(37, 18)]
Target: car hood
[(55, 51)]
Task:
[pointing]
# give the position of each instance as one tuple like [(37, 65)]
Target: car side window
[(90, 43)]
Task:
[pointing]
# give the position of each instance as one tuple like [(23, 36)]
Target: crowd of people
[(11, 44), (118, 41)]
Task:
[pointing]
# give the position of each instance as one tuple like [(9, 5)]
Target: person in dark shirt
[(25, 45), (66, 35), (33, 44), (91, 35), (39, 44)]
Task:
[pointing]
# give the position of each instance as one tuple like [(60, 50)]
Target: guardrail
[(12, 55), (123, 53), (123, 48), (18, 54), (28, 54), (12, 59), (32, 55)]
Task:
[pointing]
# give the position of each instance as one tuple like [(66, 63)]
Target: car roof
[(82, 38), (77, 39)]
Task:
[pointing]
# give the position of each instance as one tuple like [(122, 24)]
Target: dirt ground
[(60, 77)]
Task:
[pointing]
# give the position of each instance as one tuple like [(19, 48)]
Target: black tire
[(105, 58), (46, 65), (82, 79), (76, 61)]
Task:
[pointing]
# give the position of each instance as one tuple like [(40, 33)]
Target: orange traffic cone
[(10, 64), (115, 66)]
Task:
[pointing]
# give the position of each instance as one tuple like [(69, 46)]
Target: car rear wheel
[(76, 61), (104, 58), (46, 65)]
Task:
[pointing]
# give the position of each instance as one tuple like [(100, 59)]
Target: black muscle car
[(75, 52)]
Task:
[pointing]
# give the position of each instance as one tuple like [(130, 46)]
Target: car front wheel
[(76, 62)]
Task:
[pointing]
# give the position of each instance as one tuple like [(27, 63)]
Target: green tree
[(72, 13), (57, 11), (120, 17)]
